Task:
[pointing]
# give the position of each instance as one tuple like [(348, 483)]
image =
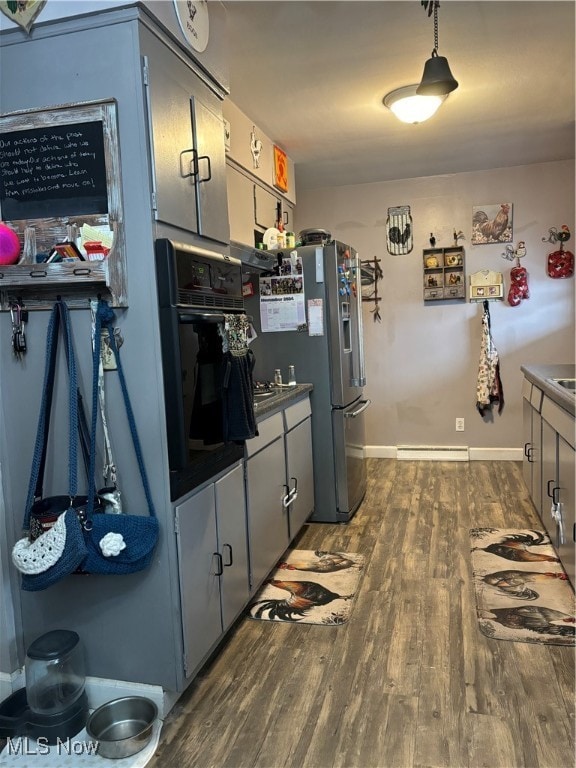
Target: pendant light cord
[(435, 51)]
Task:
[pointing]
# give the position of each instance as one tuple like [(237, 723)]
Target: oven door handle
[(353, 414), (200, 317)]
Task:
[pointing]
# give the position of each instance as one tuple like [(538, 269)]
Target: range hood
[(263, 261)]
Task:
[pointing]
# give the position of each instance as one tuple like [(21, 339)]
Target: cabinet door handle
[(548, 492), (286, 501), (526, 449), (220, 569), (230, 557), (556, 494), (285, 216), (193, 164), (206, 178), (529, 455)]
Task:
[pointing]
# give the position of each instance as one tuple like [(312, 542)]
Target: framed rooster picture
[(492, 224)]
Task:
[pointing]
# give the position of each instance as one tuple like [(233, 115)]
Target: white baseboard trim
[(442, 453), (496, 454), (380, 451), (432, 453)]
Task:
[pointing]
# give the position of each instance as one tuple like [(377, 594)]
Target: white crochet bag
[(39, 555)]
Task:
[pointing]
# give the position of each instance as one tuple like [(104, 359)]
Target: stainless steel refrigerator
[(327, 352)]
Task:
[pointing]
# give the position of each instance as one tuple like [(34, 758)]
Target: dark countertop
[(280, 399), (541, 375)]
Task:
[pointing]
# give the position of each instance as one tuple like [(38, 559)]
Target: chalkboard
[(57, 170)]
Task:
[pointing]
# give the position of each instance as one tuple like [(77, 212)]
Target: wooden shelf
[(444, 276)]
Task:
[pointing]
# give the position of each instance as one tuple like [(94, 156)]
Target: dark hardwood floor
[(409, 681)]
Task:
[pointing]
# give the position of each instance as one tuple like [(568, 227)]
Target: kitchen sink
[(569, 384), (260, 397)]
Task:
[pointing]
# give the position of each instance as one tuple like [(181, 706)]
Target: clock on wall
[(193, 19)]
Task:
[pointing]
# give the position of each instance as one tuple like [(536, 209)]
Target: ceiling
[(312, 75)]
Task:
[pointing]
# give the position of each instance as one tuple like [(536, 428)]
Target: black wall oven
[(196, 288)]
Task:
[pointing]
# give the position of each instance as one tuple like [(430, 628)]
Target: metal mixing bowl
[(122, 727)]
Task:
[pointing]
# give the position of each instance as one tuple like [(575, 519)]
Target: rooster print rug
[(310, 587), (522, 591)]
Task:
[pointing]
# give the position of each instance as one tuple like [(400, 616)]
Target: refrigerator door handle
[(353, 414), (358, 378)]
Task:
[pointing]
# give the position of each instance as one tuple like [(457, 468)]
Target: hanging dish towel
[(238, 418), (489, 387)]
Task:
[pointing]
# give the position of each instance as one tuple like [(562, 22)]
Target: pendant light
[(437, 79), (409, 107)]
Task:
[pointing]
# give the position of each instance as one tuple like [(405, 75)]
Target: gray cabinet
[(253, 207), (187, 144), (265, 469), (558, 484), (213, 564), (299, 465), (279, 473), (532, 423), (266, 204), (566, 522), (241, 206), (232, 544)]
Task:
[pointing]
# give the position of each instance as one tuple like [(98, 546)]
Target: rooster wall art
[(492, 224)]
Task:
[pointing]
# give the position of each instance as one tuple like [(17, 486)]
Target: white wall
[(422, 360)]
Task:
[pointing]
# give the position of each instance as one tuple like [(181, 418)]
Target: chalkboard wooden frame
[(39, 284)]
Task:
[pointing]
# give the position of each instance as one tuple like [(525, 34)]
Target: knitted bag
[(116, 543), (54, 546)]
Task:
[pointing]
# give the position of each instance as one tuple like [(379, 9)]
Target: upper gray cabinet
[(187, 145)]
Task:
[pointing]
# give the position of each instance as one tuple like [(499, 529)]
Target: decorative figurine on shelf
[(255, 148), (432, 239), (560, 263), (457, 236)]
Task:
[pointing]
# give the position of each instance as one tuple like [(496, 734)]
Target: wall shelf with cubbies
[(444, 274)]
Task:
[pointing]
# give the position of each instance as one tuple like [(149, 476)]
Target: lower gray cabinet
[(213, 564), (299, 465), (265, 469), (558, 483), (232, 544), (532, 423), (567, 499)]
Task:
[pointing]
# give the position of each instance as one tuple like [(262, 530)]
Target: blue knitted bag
[(116, 543), (55, 547)]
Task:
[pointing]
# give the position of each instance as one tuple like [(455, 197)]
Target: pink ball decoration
[(9, 245)]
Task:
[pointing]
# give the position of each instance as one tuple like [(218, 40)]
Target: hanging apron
[(489, 387)]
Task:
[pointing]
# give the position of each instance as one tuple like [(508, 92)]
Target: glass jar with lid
[(55, 672)]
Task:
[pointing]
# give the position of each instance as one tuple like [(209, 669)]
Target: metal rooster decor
[(399, 230)]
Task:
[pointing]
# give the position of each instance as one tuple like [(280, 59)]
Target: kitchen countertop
[(541, 375), (280, 399)]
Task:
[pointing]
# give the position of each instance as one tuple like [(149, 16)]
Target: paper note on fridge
[(315, 317)]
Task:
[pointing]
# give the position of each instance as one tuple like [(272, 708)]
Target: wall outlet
[(459, 425)]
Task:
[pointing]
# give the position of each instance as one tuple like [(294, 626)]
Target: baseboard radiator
[(433, 453)]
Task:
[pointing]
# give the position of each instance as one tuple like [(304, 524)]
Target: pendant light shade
[(409, 107), (437, 80)]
